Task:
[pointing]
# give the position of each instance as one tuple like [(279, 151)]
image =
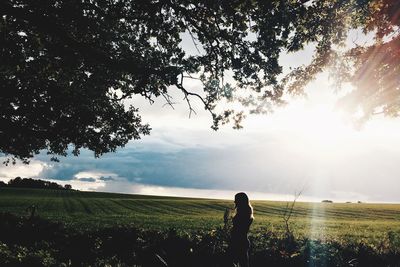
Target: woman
[(241, 224)]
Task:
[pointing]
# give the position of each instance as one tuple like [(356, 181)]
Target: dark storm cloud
[(262, 166), (109, 178), (198, 167), (87, 179), (185, 168)]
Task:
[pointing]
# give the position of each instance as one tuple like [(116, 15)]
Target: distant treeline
[(34, 183)]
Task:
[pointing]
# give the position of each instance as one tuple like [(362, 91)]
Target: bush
[(38, 242)]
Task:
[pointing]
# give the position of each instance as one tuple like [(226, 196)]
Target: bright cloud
[(93, 180), (34, 169)]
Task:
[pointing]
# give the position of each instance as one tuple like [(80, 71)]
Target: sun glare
[(323, 124), (311, 121)]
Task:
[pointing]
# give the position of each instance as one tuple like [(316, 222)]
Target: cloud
[(94, 174), (87, 179), (271, 162), (92, 180), (34, 169), (109, 178)]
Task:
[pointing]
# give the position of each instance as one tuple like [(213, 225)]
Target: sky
[(309, 145)]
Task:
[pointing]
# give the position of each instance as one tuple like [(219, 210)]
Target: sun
[(324, 124)]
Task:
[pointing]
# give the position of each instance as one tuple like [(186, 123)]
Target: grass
[(88, 210)]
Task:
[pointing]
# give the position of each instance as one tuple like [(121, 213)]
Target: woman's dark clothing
[(240, 244)]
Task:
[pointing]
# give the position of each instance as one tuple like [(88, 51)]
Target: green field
[(90, 210)]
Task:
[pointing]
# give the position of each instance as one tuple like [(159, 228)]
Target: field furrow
[(95, 209)]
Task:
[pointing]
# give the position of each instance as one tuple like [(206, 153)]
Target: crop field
[(89, 210)]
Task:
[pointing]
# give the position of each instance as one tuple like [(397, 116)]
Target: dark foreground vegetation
[(19, 182), (39, 242)]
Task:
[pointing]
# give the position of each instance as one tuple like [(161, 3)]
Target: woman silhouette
[(242, 220)]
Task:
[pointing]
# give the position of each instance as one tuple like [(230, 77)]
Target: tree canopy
[(66, 66), (34, 183)]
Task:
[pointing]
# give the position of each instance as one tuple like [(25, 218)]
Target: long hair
[(243, 206)]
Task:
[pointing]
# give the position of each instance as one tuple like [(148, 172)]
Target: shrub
[(38, 242)]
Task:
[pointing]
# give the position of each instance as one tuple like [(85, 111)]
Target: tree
[(68, 187), (35, 183), (68, 65), (287, 213)]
